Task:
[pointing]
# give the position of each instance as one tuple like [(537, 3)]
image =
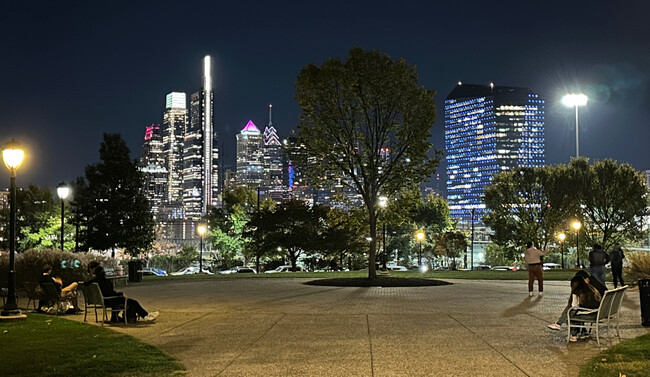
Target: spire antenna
[(270, 115)]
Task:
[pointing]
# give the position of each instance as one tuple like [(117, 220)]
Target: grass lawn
[(45, 345), (630, 358), (563, 275)]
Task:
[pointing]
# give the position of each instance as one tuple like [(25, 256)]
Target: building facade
[(152, 166), (250, 157), (488, 129), (173, 130), (201, 152), (273, 162)]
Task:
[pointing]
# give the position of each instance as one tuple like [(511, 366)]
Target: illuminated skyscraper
[(201, 154), (174, 123), (250, 157), (488, 129), (273, 162), (152, 166)]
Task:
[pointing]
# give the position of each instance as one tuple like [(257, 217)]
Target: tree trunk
[(113, 252), (257, 263), (294, 258), (372, 272)]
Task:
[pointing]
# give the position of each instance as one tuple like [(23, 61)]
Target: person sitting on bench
[(68, 293), (133, 307)]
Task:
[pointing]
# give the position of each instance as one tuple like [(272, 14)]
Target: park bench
[(94, 299), (608, 311)]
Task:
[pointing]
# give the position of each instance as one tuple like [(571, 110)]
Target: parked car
[(284, 269), (550, 266), (482, 267), (187, 271), (396, 268), (442, 268), (239, 270), (504, 268), (153, 271)]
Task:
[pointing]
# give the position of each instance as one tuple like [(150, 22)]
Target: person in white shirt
[(532, 256)]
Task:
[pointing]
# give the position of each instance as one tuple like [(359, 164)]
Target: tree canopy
[(366, 120)]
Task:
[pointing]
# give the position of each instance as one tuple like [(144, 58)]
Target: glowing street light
[(575, 101), (12, 155), (577, 225), (562, 237), (62, 191), (201, 230), (383, 203), (420, 237)]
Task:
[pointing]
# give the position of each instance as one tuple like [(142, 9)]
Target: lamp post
[(575, 101), (62, 191), (562, 237), (472, 257), (201, 229), (383, 202), (577, 225), (12, 154), (420, 237)]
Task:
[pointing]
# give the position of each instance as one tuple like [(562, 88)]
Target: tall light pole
[(575, 101), (472, 258), (201, 229), (62, 191), (562, 237), (383, 203), (12, 154), (577, 225), (420, 237)]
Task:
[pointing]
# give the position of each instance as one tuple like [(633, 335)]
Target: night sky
[(72, 70)]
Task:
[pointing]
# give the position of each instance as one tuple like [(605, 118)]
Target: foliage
[(112, 201), (45, 345), (293, 227), (175, 262), (70, 267), (343, 235), (535, 204), (451, 243), (638, 265), (497, 255), (366, 120), (613, 198)]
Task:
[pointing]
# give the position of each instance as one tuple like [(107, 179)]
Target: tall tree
[(451, 244), (614, 200), (112, 202), (368, 120)]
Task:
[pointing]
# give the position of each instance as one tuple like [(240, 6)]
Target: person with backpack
[(616, 257), (598, 258)]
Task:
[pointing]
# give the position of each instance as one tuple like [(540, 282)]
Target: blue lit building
[(488, 129)]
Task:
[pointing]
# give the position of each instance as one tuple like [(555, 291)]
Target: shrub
[(70, 267), (638, 266)]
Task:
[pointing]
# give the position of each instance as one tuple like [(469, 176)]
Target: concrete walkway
[(280, 327)]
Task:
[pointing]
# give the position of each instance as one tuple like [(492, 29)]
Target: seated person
[(583, 295), (106, 286), (68, 293), (600, 287)]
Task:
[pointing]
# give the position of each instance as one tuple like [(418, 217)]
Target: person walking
[(616, 257), (532, 257), (598, 258)]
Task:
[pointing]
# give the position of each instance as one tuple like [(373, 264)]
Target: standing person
[(532, 256), (598, 258), (133, 307), (617, 256)]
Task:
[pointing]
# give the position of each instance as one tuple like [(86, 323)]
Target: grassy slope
[(630, 358), (46, 345)]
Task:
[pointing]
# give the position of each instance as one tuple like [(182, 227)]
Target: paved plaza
[(281, 327)]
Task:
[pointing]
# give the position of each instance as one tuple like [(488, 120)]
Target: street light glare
[(574, 100), (577, 225), (420, 235), (562, 237), (201, 229), (62, 191), (13, 155), (383, 201)]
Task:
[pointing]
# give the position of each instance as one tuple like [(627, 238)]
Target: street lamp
[(420, 237), (201, 229), (62, 191), (575, 101), (12, 154), (577, 225), (383, 203), (562, 237)]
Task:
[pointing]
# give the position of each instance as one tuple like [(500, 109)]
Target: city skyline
[(79, 72)]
